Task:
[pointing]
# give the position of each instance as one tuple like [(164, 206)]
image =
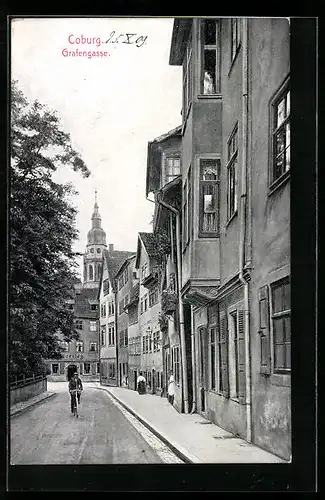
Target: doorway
[(71, 370), (203, 376), (135, 379)]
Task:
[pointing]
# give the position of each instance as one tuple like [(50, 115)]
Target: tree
[(43, 265)]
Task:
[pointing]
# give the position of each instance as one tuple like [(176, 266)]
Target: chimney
[(111, 248)]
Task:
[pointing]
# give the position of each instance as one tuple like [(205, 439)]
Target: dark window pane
[(278, 325), (279, 356), (208, 171), (286, 296), (263, 313), (209, 78), (280, 141), (280, 112), (288, 355), (209, 32), (277, 299), (213, 375), (287, 328)]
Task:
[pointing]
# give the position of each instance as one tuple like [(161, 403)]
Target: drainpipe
[(116, 337), (243, 201), (180, 302), (193, 410)]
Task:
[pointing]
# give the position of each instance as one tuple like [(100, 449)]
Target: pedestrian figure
[(75, 384), (171, 388), (141, 384)]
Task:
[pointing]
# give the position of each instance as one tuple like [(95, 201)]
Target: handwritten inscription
[(128, 38)]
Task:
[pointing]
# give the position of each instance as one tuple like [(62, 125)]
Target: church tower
[(96, 244)]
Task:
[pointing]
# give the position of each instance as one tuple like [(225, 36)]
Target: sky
[(111, 106)]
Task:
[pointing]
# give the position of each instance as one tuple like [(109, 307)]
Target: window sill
[(232, 64), (279, 183), (231, 218), (281, 379), (217, 97)]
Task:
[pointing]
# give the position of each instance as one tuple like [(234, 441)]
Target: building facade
[(151, 362), (112, 260), (126, 279), (235, 222)]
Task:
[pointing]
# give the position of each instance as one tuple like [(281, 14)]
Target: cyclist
[(75, 384)]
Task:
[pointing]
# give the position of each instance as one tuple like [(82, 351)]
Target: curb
[(180, 454), (21, 410)]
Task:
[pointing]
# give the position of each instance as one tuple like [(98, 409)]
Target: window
[(232, 173), (144, 270), (98, 250), (233, 317), (103, 310), (210, 70), (94, 307), (93, 346), (111, 370), (103, 335), (235, 37), (223, 355), (185, 214), (106, 286), (64, 346), (153, 297), (110, 308), (145, 302), (55, 368), (121, 306), (98, 367), (187, 78), (212, 339), (121, 282), (92, 250), (111, 335), (281, 326), (281, 135), (79, 324), (156, 341), (209, 198), (176, 364), (172, 168), (86, 368), (126, 275), (91, 272), (187, 208), (80, 346), (144, 344), (93, 326)]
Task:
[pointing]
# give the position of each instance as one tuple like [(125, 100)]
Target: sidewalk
[(23, 405), (194, 438)]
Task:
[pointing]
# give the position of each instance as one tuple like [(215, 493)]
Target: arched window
[(85, 273), (99, 270), (91, 272)]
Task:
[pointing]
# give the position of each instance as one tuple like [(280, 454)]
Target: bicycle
[(75, 402)]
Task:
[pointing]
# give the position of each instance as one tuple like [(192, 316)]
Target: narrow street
[(49, 434)]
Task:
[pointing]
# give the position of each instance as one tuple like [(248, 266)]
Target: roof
[(114, 260), (83, 299), (154, 159), (181, 31), (150, 244)]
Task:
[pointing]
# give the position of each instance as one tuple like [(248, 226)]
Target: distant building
[(126, 279), (151, 360), (112, 260)]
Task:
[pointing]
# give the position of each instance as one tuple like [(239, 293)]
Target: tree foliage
[(42, 268)]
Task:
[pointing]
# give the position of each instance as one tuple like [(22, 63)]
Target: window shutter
[(93, 368), (61, 368), (224, 354), (241, 357), (264, 330)]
